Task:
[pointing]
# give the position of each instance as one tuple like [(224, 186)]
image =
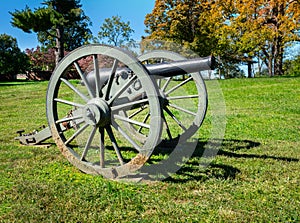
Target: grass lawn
[(254, 178)]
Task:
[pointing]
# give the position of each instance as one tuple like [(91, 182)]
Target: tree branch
[(50, 34)]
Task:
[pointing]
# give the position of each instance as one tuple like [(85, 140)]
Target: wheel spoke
[(88, 143), (102, 148), (175, 119), (122, 89), (137, 112), (142, 124), (167, 127), (83, 77), (159, 83), (128, 105), (114, 144), (79, 131), (72, 118), (97, 75), (182, 109), (183, 97), (179, 85), (68, 102), (144, 121), (127, 137), (111, 78), (166, 84), (74, 89)]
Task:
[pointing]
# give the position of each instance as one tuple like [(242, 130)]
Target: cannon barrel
[(181, 67), (168, 69)]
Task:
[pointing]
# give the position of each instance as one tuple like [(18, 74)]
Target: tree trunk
[(59, 51), (220, 75), (249, 64), (268, 60), (209, 74), (278, 60), (259, 66), (278, 43), (270, 67)]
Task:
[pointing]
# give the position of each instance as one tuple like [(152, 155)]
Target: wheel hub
[(96, 113)]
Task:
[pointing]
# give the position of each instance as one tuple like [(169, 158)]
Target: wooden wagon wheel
[(183, 109), (96, 140)]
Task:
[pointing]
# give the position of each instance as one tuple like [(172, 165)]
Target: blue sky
[(133, 11)]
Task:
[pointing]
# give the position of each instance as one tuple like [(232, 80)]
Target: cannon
[(110, 119)]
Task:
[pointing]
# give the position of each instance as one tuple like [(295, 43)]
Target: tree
[(190, 23), (116, 32), (12, 60), (236, 30), (61, 24), (42, 63), (266, 28), (292, 67), (195, 25), (41, 60)]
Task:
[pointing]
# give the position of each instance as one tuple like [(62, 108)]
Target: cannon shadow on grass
[(193, 169), (232, 147)]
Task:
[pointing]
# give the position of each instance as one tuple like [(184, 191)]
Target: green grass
[(254, 178)]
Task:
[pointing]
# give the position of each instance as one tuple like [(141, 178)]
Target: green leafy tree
[(263, 28), (12, 60), (116, 32), (292, 67), (59, 24), (195, 25), (237, 31), (184, 23)]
